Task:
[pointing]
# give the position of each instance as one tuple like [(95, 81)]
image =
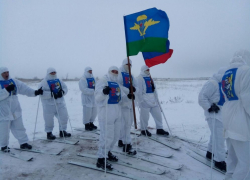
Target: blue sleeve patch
[(228, 82)]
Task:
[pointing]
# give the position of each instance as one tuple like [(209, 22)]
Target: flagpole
[(156, 96), (131, 90)]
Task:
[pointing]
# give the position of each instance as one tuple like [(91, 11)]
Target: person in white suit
[(236, 116), (53, 103), (10, 110), (87, 87), (211, 100), (127, 108), (108, 96), (148, 103)]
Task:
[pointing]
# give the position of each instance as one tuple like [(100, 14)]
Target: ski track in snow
[(179, 100)]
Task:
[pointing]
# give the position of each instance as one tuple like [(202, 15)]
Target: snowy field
[(179, 100)]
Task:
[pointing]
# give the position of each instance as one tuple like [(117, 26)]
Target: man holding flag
[(147, 32)]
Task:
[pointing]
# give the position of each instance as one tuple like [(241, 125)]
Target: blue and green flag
[(146, 31)]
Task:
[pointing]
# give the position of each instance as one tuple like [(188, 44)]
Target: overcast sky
[(72, 34)]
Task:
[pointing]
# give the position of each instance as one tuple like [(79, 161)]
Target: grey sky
[(72, 34)]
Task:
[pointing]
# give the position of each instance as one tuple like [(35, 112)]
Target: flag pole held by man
[(147, 32)]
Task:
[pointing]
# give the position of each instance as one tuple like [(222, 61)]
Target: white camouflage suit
[(126, 106), (49, 106), (236, 116), (209, 94), (109, 112), (88, 96), (147, 102), (11, 112)]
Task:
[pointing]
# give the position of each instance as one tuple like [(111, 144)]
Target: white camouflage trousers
[(49, 111), (126, 123), (113, 114), (238, 160), (219, 140), (89, 114), (17, 129), (144, 117)]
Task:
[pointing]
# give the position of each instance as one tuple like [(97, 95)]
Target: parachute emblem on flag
[(143, 24)]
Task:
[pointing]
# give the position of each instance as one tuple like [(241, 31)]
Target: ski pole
[(106, 135), (213, 126), (60, 124), (69, 120), (156, 96), (9, 123), (36, 120), (125, 123), (136, 141), (59, 119)]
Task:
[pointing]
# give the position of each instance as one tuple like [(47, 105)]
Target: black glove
[(214, 108), (106, 90), (10, 88), (39, 91), (153, 87), (60, 93), (55, 95), (131, 96), (132, 88)]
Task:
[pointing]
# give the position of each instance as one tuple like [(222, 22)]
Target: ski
[(61, 141), (168, 165), (123, 163), (89, 138), (83, 130), (203, 160), (18, 156), (156, 154), (191, 140), (114, 171), (38, 151), (169, 143)]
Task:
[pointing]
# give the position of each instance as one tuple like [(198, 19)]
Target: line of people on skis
[(225, 98), (110, 98)]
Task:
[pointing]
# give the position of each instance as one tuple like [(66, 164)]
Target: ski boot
[(143, 132), (162, 132), (50, 136), (25, 146), (5, 149), (209, 155), (64, 134), (101, 164), (128, 149), (88, 127), (112, 157), (120, 143), (92, 125), (221, 165)]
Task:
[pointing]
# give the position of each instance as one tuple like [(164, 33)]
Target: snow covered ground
[(179, 100)]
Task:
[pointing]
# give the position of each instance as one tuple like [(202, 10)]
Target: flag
[(146, 31), (154, 58)]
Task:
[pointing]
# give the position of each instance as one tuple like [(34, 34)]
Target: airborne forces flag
[(147, 31)]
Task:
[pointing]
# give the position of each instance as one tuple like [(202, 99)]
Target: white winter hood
[(143, 69), (238, 60), (112, 76), (2, 70), (49, 76), (86, 73), (244, 54), (124, 67)]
